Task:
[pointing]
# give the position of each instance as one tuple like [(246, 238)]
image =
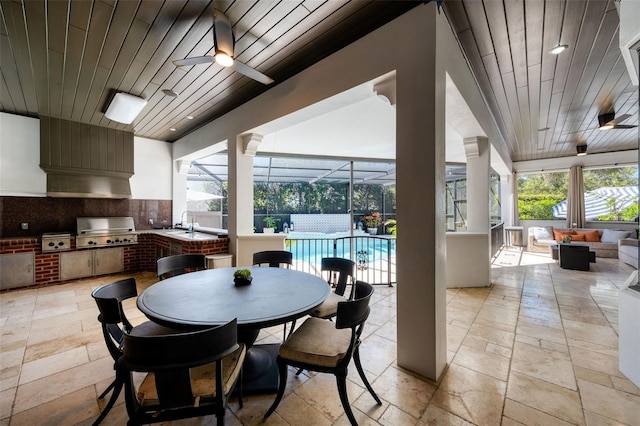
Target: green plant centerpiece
[(566, 239), (270, 224), (242, 277)]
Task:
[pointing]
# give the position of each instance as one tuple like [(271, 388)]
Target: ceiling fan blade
[(622, 118), (624, 126), (250, 72), (222, 33), (196, 60)]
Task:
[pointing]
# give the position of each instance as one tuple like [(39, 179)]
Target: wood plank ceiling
[(546, 104), (66, 58)]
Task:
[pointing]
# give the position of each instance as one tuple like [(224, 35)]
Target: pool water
[(361, 248)]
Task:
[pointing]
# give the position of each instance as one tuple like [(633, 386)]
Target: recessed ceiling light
[(173, 129), (189, 117), (169, 92), (559, 48)]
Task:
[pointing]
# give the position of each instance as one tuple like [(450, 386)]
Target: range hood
[(73, 184), (85, 161)]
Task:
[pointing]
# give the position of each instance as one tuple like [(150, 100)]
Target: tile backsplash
[(45, 214)]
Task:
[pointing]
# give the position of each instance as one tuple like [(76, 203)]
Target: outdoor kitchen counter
[(182, 234)]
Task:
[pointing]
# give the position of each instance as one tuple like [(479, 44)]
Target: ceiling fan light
[(605, 121), (558, 49), (581, 150), (223, 59)]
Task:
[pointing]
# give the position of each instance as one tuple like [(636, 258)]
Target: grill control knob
[(109, 241), (61, 243), (51, 244)]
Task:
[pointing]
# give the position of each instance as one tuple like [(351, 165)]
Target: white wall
[(152, 167), (21, 175), (20, 172)]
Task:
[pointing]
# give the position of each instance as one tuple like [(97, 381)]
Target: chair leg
[(239, 388), (293, 327), (106, 391), (356, 359), (117, 387), (344, 399), (284, 373)]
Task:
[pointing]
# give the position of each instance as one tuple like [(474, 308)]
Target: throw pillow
[(590, 236), (542, 233), (559, 234), (610, 236), (578, 237)]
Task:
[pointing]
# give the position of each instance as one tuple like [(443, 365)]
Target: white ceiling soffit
[(354, 124), (360, 124)]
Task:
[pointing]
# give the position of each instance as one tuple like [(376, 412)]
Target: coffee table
[(555, 255)]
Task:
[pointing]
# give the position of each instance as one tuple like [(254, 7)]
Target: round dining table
[(210, 297)]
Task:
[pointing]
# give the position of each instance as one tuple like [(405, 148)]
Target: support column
[(420, 160), (478, 179), (241, 151)]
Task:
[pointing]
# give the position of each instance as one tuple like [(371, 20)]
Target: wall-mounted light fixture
[(124, 108), (581, 149)]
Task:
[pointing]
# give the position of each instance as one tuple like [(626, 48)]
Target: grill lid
[(104, 225)]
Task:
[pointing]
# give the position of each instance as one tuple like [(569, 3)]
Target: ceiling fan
[(609, 121), (223, 45)]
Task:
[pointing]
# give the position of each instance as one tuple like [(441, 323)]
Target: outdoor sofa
[(605, 244), (628, 251)]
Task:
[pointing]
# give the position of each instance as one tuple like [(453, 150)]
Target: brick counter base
[(137, 258)]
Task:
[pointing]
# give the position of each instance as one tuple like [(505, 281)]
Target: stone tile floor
[(537, 347)]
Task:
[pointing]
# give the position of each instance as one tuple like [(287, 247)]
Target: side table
[(509, 232)]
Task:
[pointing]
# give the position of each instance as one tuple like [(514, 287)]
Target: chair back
[(274, 258), (170, 358), (354, 313), (339, 271), (179, 264), (109, 299)]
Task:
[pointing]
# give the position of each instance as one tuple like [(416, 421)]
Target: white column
[(420, 160), (240, 187), (508, 204), (478, 170)]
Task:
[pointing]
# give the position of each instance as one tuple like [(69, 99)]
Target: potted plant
[(391, 226), (242, 277), (566, 239), (372, 221), (271, 224)]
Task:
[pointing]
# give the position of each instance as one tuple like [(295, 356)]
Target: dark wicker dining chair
[(276, 259), (189, 374), (327, 347), (178, 264), (114, 322), (273, 258), (339, 273)]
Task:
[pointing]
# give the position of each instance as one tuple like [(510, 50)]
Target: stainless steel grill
[(105, 232), (56, 241)]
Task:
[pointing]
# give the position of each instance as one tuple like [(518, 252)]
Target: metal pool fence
[(375, 257)]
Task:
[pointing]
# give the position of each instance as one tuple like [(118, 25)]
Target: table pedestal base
[(260, 370)]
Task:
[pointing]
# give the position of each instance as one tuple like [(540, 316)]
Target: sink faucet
[(190, 227)]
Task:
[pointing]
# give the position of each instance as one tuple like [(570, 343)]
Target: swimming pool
[(372, 255)]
